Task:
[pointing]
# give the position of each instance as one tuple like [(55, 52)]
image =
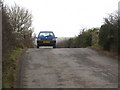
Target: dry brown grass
[(107, 53)]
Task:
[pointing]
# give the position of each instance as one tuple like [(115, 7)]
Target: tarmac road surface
[(67, 68)]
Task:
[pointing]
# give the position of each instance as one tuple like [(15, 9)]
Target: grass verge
[(103, 52), (10, 63)]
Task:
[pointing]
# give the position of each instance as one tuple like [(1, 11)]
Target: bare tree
[(20, 18), (21, 21), (112, 19)]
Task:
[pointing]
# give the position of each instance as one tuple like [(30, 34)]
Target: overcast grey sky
[(67, 17)]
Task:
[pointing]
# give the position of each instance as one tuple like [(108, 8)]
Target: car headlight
[(53, 39), (38, 39)]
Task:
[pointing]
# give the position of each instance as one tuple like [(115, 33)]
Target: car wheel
[(37, 46), (54, 46)]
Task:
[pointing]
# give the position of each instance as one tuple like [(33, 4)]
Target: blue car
[(46, 38)]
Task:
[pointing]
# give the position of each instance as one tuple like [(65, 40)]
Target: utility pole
[(1, 7), (119, 11), (118, 42)]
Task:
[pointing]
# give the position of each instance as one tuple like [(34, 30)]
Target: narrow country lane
[(67, 68)]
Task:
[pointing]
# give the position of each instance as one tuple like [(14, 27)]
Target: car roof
[(45, 31)]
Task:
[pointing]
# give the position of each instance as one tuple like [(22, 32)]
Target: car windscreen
[(46, 34)]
